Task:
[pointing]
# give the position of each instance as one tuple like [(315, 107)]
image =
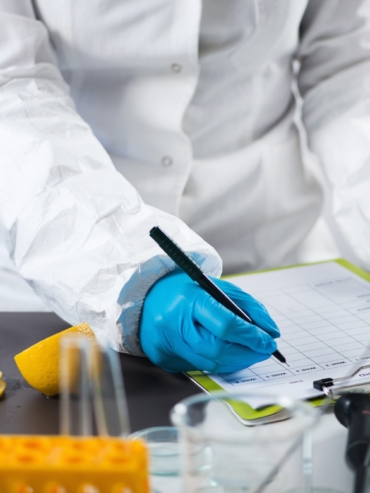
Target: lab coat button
[(176, 68), (166, 161)]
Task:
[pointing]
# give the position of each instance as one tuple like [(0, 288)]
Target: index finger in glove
[(229, 327), (255, 309)]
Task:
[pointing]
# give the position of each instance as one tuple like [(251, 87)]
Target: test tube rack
[(66, 464)]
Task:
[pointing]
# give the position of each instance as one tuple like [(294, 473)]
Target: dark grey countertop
[(151, 392)]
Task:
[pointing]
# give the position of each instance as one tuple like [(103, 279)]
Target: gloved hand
[(183, 328)]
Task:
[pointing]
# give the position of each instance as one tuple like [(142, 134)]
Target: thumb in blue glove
[(183, 328)]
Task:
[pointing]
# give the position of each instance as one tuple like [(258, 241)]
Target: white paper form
[(323, 312)]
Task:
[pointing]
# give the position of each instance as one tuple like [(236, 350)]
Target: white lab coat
[(78, 231)]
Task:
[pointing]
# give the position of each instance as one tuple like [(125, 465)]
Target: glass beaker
[(229, 447)]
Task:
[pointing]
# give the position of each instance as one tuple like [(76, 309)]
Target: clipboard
[(331, 389), (334, 388)]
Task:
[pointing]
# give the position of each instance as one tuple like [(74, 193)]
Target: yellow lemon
[(39, 364), (2, 384)]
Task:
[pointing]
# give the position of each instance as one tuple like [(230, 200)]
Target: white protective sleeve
[(334, 81), (78, 231)]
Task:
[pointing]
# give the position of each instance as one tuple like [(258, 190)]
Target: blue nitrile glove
[(183, 328)]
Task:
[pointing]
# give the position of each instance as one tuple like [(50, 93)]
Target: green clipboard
[(244, 411)]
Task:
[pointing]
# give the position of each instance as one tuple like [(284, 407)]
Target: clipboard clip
[(330, 385)]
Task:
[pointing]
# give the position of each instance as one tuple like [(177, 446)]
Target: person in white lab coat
[(119, 115)]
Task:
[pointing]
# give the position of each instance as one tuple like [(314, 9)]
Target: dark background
[(151, 392)]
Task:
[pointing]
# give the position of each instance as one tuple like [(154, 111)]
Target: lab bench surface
[(151, 392)]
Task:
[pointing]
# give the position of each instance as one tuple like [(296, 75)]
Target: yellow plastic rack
[(61, 464)]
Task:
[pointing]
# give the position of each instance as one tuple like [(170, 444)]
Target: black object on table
[(151, 392), (353, 411)]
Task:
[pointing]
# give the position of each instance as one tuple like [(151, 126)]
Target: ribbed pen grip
[(176, 253)]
